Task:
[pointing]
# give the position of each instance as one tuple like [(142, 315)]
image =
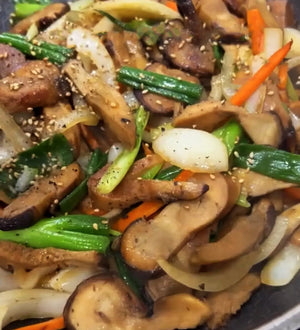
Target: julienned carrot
[(146, 209), (282, 76), (256, 27), (241, 96), (172, 5), (54, 324)]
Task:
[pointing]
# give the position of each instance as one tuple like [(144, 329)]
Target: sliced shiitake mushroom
[(32, 204), (144, 242), (246, 233), (134, 189), (11, 59), (105, 302), (161, 104), (177, 46), (41, 18)]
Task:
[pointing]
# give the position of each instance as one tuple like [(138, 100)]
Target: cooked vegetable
[(23, 10), (53, 324), (260, 76), (192, 149), (98, 160), (256, 27), (275, 163), (23, 304), (121, 165), (180, 90), (72, 232), (55, 54)]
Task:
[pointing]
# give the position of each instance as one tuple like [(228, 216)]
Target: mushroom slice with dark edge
[(161, 104), (31, 205), (217, 16), (42, 18), (228, 302), (105, 101), (134, 189), (177, 46), (125, 49), (144, 242), (245, 234), (11, 59), (18, 255), (106, 302), (35, 84)]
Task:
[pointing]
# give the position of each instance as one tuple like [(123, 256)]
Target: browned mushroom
[(282, 11), (161, 104), (42, 18), (228, 302), (134, 189), (106, 302), (11, 59), (144, 242), (238, 7), (18, 255), (31, 205), (246, 233), (35, 84), (106, 101), (125, 49), (216, 15), (178, 48)]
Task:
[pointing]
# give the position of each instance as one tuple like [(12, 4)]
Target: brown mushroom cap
[(106, 302)]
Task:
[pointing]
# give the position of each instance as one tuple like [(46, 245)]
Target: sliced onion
[(114, 152), (223, 278), (80, 4), (13, 133), (30, 279), (90, 45), (292, 34), (22, 304), (273, 41), (191, 149), (282, 268), (7, 281), (216, 88), (25, 178), (66, 280)]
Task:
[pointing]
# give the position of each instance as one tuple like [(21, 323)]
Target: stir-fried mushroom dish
[(149, 159)]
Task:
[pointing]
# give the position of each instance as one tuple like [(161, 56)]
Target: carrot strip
[(282, 76), (293, 192), (241, 96), (146, 209), (54, 324), (172, 5), (256, 27)]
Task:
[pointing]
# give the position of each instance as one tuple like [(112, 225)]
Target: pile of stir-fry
[(149, 159)]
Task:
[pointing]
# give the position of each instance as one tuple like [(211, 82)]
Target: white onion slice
[(90, 45), (7, 281), (191, 149), (282, 268), (22, 304), (292, 34), (66, 280), (273, 41), (29, 280)]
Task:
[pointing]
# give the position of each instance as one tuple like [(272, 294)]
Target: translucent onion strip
[(22, 304), (13, 133)]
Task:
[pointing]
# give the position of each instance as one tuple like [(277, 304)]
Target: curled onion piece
[(192, 149), (91, 46), (22, 304), (7, 280), (223, 278), (282, 268)]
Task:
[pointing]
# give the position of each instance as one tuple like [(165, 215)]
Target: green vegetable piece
[(218, 55), (123, 162), (97, 161), (151, 173), (55, 151), (274, 163), (30, 49), (161, 81), (168, 173), (23, 10), (72, 232), (242, 200), (291, 91), (229, 134)]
